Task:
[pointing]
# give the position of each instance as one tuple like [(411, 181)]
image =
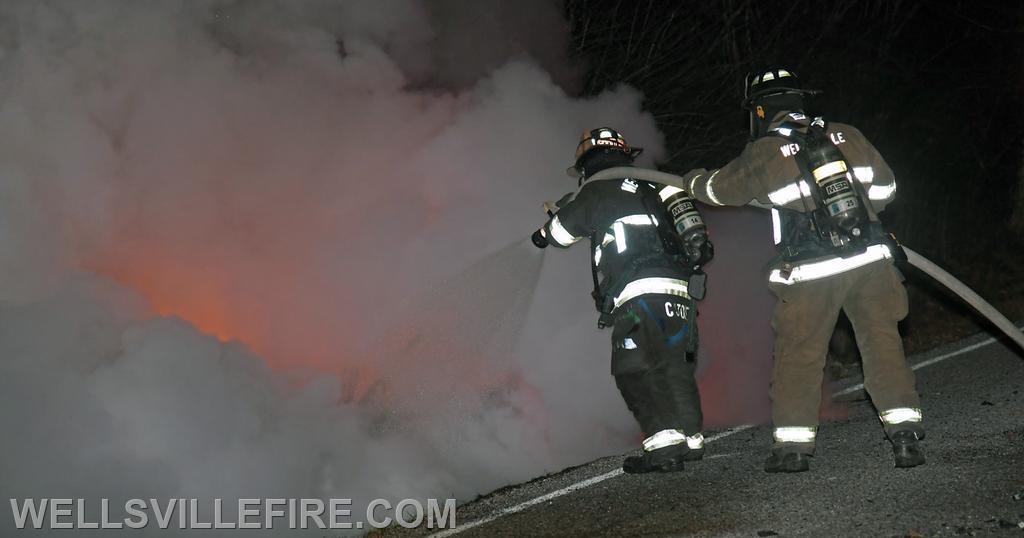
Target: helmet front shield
[(602, 138)]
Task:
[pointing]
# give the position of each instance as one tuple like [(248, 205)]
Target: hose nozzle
[(539, 238)]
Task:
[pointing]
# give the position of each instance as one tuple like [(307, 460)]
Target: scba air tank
[(832, 175), (685, 218), (688, 225)]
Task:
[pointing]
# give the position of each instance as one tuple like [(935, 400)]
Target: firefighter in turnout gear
[(643, 258), (824, 183)]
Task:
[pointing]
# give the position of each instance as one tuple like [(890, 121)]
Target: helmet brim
[(573, 172), (774, 91)]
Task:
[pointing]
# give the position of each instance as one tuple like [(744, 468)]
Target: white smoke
[(339, 192)]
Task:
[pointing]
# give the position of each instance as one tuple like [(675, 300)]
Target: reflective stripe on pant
[(666, 438), (902, 418), (794, 434), (653, 361), (875, 300)]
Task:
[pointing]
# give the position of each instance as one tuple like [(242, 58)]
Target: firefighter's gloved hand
[(565, 199), (896, 248), (539, 239), (552, 207)]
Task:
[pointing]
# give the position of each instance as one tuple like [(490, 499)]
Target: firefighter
[(641, 266), (825, 184)]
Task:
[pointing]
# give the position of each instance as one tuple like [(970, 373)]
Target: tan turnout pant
[(874, 298)]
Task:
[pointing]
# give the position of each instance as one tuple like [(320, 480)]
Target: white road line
[(553, 495), (524, 505), (729, 432), (927, 362), (720, 435), (574, 487)]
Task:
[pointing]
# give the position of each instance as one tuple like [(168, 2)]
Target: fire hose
[(926, 266), (967, 294)]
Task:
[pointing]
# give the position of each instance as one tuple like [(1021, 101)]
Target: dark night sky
[(937, 86)]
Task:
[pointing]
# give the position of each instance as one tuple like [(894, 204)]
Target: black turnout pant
[(654, 350)]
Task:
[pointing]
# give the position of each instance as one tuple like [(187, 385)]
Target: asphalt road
[(972, 485)]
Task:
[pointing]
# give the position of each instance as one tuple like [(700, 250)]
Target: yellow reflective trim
[(795, 434), (667, 286), (830, 267), (881, 192), (620, 236), (900, 415), (638, 220), (710, 190), (668, 191), (864, 174), (790, 193), (663, 439), (776, 226), (829, 170), (560, 235)]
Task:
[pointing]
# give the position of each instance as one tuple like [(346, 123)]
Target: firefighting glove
[(552, 207)]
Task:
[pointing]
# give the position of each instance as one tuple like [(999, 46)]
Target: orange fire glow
[(203, 296)]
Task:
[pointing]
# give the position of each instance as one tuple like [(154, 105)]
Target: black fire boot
[(694, 454), (663, 460), (787, 461), (696, 445), (906, 449)]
